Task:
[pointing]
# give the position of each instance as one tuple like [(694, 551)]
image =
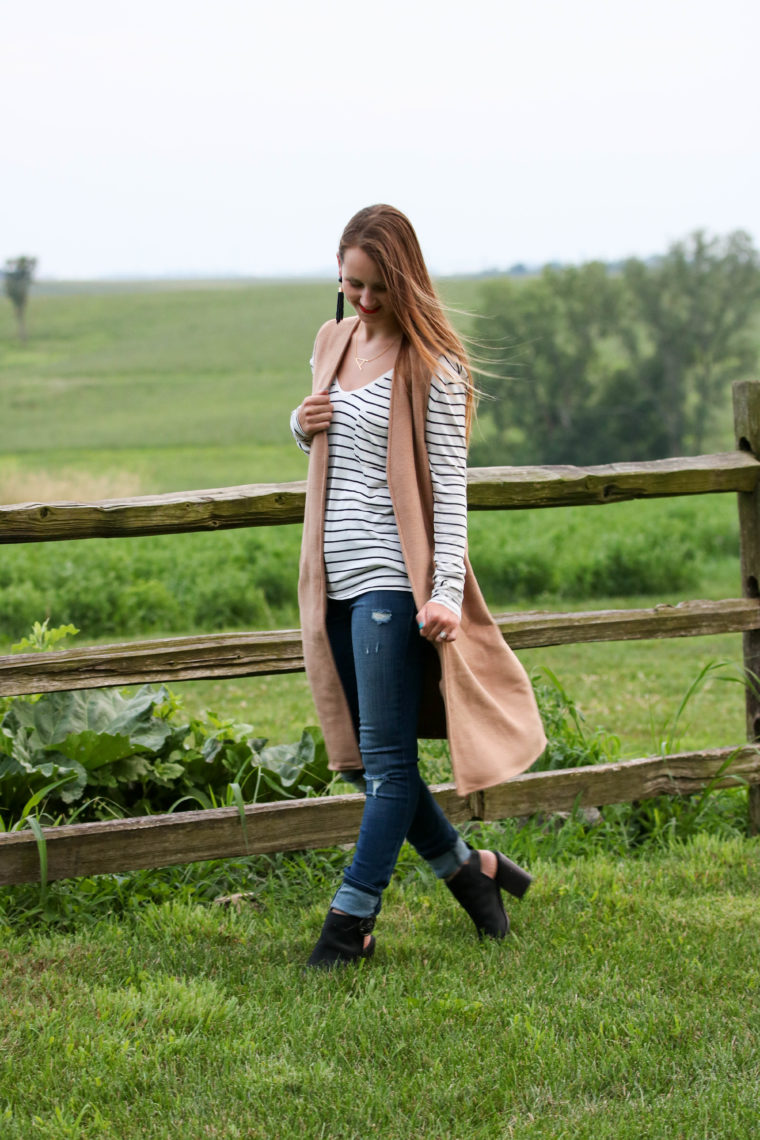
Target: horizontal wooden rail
[(185, 837), (138, 662), (248, 654), (509, 488), (280, 651), (534, 629), (489, 488)]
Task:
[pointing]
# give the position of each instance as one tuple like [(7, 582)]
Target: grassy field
[(163, 390), (624, 1006)]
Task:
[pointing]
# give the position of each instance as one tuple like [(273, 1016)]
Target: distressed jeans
[(378, 653)]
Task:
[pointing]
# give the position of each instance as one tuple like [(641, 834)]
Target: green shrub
[(141, 607), (628, 565), (20, 604), (230, 599)]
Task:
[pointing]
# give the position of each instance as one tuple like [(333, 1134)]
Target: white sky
[(155, 137)]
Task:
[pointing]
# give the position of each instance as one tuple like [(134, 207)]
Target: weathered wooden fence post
[(747, 429)]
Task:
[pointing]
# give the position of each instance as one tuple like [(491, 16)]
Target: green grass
[(624, 1005)]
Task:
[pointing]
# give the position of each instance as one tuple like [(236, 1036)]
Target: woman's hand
[(437, 622), (315, 413)]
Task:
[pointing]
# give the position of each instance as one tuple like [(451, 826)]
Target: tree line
[(584, 364)]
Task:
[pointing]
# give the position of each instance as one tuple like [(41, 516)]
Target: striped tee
[(362, 548)]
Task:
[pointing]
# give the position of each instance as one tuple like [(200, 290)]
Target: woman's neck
[(376, 335)]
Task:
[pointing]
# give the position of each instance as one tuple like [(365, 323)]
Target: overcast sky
[(214, 137)]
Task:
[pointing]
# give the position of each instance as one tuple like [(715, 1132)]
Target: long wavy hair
[(387, 236)]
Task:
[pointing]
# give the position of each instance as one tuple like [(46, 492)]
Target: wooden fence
[(90, 848)]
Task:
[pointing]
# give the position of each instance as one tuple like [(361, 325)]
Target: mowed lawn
[(624, 1006)]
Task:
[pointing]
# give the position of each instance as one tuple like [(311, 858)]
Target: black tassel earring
[(339, 306)]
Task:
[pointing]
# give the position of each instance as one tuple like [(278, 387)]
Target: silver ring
[(442, 636)]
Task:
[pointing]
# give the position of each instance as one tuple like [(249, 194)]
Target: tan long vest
[(475, 691)]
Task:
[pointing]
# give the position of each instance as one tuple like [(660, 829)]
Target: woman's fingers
[(437, 622), (315, 413)]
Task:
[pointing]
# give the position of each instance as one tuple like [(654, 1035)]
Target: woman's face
[(365, 289)]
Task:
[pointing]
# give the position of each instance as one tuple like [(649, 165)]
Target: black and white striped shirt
[(362, 548)]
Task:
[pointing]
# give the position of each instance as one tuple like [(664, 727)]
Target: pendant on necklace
[(362, 360)]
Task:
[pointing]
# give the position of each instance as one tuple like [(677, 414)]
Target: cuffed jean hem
[(360, 904), (445, 865)]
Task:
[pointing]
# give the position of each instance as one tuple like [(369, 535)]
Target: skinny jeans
[(378, 653)]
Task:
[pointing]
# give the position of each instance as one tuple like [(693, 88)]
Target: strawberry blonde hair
[(387, 236)]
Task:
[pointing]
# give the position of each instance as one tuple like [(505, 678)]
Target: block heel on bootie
[(510, 877), (342, 941), (480, 895)]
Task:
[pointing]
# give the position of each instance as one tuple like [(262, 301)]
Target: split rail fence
[(152, 841)]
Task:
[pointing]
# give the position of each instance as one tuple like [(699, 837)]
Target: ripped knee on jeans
[(373, 784)]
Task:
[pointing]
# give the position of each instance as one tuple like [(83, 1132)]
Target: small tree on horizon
[(18, 273)]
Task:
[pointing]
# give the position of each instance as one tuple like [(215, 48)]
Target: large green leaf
[(18, 774), (96, 749), (94, 727), (298, 766), (130, 750)]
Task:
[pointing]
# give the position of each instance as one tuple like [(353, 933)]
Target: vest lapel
[(327, 361)]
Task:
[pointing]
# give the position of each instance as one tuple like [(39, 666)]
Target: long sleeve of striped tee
[(299, 435), (446, 439)]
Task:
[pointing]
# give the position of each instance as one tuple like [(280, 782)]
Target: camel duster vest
[(475, 691)]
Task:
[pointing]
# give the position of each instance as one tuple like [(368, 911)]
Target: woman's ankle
[(488, 863)]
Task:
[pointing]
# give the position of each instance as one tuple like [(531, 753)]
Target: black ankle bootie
[(481, 896), (342, 941)]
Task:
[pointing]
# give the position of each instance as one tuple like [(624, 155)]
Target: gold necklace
[(362, 360)]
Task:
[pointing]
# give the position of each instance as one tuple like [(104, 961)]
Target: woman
[(398, 642)]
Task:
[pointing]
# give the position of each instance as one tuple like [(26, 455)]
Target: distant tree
[(552, 333), (18, 273), (596, 366), (696, 305)]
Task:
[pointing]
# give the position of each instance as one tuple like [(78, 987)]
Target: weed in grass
[(570, 743), (668, 739)]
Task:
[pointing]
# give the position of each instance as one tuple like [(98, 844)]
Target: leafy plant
[(102, 753), (42, 639)]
